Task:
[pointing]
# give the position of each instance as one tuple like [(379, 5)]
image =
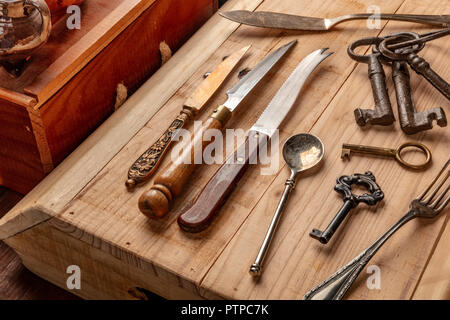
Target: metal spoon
[(300, 152)]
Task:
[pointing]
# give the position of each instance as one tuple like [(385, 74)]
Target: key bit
[(345, 154), (344, 187), (412, 121)]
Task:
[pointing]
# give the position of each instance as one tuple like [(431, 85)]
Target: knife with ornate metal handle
[(156, 201), (200, 215), (146, 164), (292, 22)]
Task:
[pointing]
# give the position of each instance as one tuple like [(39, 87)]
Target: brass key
[(347, 149)]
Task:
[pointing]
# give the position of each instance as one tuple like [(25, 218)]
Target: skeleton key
[(344, 186), (382, 113), (418, 64), (412, 121), (347, 149)]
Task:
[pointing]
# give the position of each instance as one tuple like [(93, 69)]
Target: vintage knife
[(199, 216), (156, 201), (292, 22), (146, 164)]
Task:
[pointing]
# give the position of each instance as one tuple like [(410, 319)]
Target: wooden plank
[(18, 282), (435, 281), (101, 146), (296, 263)]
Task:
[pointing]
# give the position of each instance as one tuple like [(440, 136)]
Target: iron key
[(344, 186), (382, 113), (418, 64)]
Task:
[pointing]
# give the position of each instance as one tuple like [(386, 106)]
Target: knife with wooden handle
[(143, 168), (156, 201), (216, 191)]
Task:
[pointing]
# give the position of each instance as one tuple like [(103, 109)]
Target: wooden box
[(69, 86), (82, 213)]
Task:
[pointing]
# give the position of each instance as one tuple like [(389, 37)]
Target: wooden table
[(82, 213)]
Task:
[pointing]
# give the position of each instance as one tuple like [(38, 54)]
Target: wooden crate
[(69, 87), (82, 214)]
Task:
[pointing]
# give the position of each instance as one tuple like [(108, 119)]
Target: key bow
[(344, 186)]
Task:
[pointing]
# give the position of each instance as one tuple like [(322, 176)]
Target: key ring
[(417, 145), (362, 42), (399, 54)]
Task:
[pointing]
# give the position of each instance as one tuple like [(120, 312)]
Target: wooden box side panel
[(129, 59), (20, 160)]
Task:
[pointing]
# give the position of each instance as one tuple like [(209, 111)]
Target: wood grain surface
[(85, 214), (16, 281)]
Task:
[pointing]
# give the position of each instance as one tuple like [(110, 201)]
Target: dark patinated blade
[(275, 20)]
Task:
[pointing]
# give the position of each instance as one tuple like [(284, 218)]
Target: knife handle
[(211, 198), (144, 167), (168, 184)]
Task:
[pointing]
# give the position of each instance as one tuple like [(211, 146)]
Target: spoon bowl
[(302, 152)]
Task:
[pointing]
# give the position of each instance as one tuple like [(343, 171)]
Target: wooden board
[(83, 211)]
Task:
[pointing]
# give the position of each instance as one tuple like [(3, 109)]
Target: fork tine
[(444, 204), (436, 202), (422, 196)]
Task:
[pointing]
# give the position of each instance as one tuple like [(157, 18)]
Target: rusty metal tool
[(382, 113), (412, 121), (347, 149), (156, 201), (344, 186), (418, 64), (293, 22), (428, 205), (199, 216), (146, 164)]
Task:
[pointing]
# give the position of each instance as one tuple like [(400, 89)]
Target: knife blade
[(143, 168), (156, 201), (199, 216), (293, 22)]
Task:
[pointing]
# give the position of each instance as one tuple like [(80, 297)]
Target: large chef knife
[(199, 216), (146, 164), (155, 202), (292, 22)]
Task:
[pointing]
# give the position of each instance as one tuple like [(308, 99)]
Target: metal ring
[(419, 146), (362, 42), (400, 54)]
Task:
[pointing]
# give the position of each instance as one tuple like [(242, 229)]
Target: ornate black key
[(344, 186)]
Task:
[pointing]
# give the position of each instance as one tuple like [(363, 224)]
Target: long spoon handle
[(256, 267)]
